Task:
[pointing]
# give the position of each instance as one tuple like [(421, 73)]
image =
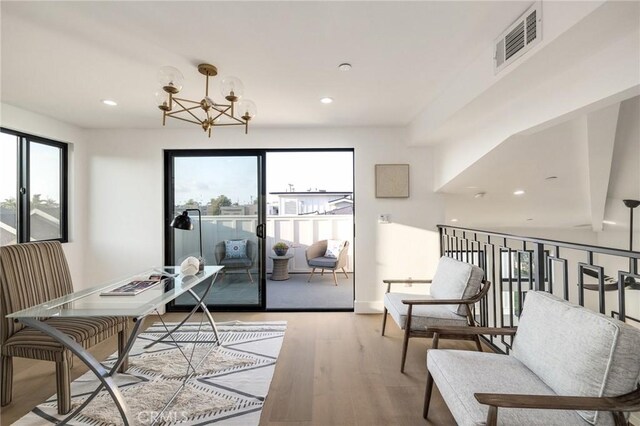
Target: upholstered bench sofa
[(568, 366)]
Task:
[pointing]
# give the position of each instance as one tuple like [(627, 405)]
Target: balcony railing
[(600, 278), (299, 232)]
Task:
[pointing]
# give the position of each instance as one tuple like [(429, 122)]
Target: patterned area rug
[(229, 387)]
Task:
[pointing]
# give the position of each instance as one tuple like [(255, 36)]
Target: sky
[(204, 178), (45, 171)]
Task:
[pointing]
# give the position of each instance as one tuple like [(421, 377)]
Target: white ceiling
[(525, 161), (61, 58)]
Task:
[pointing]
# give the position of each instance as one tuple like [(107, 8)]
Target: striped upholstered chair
[(31, 274)]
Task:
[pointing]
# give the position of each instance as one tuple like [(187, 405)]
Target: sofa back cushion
[(576, 351), (456, 280)]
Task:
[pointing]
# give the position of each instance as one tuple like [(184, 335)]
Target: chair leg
[(322, 272), (384, 320), (7, 378), (405, 345), (345, 273), (427, 395), (407, 333), (63, 385), (478, 344), (335, 278), (122, 342), (313, 271), (250, 277)]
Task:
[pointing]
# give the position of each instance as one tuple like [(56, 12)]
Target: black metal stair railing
[(600, 278)]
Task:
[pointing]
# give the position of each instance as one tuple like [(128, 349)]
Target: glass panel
[(44, 186), (225, 190), (309, 200), (8, 189)]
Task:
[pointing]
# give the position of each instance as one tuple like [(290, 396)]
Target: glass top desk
[(91, 303)]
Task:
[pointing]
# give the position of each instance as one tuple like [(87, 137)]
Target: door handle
[(260, 231)]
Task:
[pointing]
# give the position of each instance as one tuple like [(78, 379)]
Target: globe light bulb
[(170, 79), (247, 109), (162, 100), (231, 88)]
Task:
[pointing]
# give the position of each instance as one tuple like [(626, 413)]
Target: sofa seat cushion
[(576, 351), (243, 262), (461, 374), (323, 262), (423, 316), (31, 343)]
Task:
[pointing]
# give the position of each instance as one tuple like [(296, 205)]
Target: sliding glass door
[(222, 192)]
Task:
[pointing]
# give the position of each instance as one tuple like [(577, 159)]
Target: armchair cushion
[(456, 280), (460, 374), (244, 262), (235, 249), (576, 351), (31, 343), (323, 262), (424, 316)]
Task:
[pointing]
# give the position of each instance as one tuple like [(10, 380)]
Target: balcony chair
[(318, 258), (568, 366), (35, 273), (244, 260), (455, 288)]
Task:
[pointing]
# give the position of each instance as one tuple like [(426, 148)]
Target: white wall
[(124, 174), (39, 125)]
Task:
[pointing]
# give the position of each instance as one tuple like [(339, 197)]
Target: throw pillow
[(235, 249), (333, 248)]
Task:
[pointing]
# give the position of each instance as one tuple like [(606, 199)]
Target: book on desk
[(135, 287)]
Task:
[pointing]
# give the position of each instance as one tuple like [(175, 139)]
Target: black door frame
[(170, 154), (169, 251)]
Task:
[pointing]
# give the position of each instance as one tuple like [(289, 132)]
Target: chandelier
[(206, 113)]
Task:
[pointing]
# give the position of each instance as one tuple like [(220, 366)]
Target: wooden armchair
[(35, 273), (455, 288), (551, 376)]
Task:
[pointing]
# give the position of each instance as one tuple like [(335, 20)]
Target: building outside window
[(33, 188)]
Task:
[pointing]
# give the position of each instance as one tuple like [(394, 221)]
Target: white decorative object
[(190, 266)]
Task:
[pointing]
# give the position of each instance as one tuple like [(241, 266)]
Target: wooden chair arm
[(405, 281), (628, 402), (437, 301), (470, 331)]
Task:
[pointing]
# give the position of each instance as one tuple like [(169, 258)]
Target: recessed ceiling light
[(454, 220), (326, 100), (109, 102), (530, 219), (344, 66), (480, 195), (551, 177), (518, 192), (608, 222)]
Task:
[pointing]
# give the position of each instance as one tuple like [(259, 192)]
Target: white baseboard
[(368, 307)]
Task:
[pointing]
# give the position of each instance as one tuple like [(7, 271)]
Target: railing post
[(441, 232), (539, 266)]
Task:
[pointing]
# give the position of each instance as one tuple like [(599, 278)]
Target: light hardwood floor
[(334, 369)]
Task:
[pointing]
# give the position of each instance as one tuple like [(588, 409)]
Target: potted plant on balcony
[(280, 248)]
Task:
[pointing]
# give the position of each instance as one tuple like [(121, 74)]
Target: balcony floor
[(293, 294)]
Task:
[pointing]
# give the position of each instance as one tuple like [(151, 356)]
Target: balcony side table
[(280, 267)]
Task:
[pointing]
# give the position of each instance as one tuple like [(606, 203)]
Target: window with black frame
[(33, 188)]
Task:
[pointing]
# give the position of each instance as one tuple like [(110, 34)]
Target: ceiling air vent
[(521, 36)]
